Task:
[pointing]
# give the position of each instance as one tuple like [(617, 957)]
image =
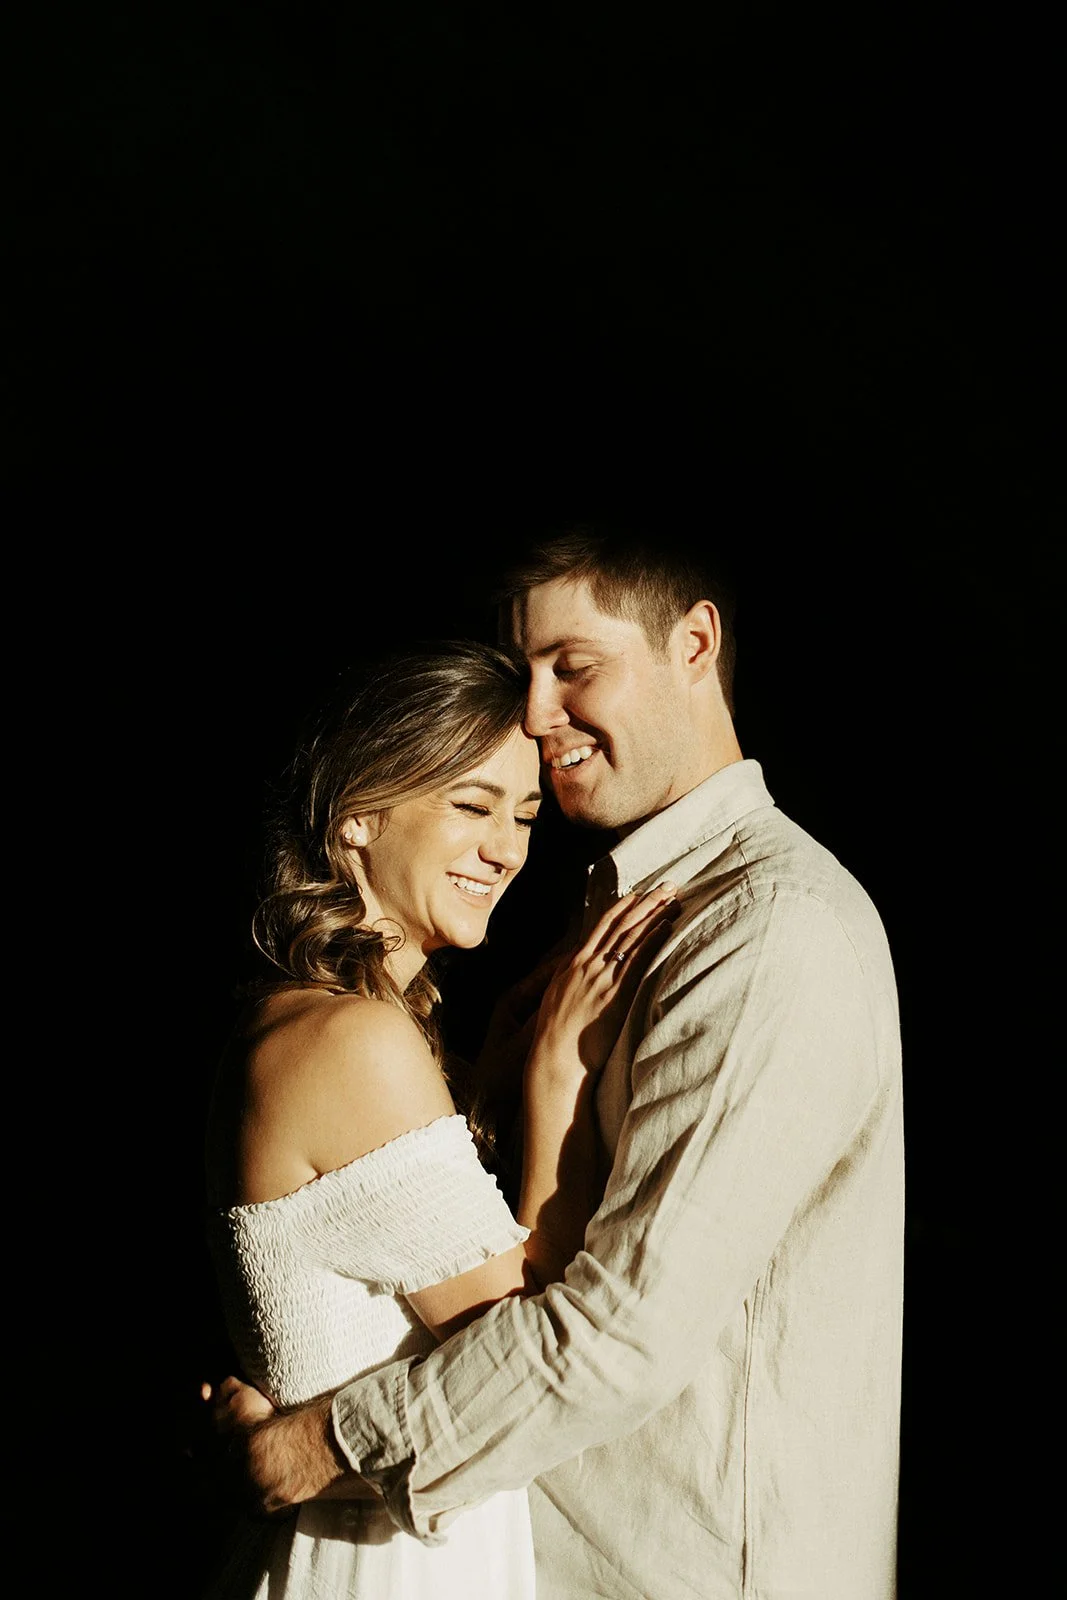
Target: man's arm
[(755, 1073), (289, 1456), (292, 1456)]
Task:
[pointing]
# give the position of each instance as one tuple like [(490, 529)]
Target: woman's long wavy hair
[(412, 724)]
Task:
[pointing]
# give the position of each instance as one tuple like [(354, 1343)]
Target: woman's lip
[(454, 878)]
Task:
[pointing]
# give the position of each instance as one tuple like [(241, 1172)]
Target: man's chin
[(585, 810)]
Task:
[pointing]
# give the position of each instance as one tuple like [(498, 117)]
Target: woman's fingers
[(622, 927), (632, 961), (587, 1001)]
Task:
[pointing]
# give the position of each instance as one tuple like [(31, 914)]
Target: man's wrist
[(294, 1456), (341, 1466)]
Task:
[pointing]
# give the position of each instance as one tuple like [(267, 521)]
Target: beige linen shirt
[(709, 1402)]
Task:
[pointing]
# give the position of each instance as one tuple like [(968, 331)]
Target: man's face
[(613, 718)]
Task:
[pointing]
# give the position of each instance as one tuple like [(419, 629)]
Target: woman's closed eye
[(483, 811), (472, 810)]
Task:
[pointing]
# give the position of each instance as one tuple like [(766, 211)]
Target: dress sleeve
[(427, 1210), (754, 1073)]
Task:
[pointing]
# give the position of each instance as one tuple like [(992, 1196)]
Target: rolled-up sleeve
[(756, 1067)]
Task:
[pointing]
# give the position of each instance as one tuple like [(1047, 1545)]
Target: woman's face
[(439, 864)]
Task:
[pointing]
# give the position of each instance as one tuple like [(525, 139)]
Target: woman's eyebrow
[(491, 788)]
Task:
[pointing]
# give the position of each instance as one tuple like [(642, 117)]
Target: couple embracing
[(674, 1370)]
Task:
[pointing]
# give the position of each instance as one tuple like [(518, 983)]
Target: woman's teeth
[(471, 886), (572, 758)]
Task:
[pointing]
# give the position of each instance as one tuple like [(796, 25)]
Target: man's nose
[(544, 707)]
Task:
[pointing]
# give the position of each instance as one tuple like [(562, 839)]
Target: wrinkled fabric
[(313, 1286), (710, 1401)]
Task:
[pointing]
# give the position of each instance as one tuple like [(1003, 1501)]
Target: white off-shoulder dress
[(313, 1287)]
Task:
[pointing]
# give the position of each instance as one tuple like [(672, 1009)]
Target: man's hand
[(237, 1406), (289, 1456)]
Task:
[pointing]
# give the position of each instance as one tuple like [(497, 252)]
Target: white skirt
[(336, 1550)]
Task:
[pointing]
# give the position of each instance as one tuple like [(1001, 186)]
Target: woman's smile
[(436, 866)]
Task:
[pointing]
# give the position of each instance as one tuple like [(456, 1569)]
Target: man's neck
[(726, 755)]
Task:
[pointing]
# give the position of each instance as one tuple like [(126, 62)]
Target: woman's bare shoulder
[(328, 1078)]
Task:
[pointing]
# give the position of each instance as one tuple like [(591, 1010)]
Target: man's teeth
[(471, 886), (572, 758)]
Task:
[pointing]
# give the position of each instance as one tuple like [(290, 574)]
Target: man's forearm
[(293, 1457)]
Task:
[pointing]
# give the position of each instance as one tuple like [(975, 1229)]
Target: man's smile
[(572, 758)]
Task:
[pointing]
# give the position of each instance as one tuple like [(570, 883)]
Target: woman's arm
[(581, 1014)]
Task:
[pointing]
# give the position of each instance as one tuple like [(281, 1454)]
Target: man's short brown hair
[(650, 579)]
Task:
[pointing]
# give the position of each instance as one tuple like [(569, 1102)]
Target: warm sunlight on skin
[(623, 732), (439, 864)]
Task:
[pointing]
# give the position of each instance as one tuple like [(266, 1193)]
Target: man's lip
[(553, 756)]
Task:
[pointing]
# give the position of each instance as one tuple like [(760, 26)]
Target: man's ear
[(701, 639)]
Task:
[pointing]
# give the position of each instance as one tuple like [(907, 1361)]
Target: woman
[(352, 1221)]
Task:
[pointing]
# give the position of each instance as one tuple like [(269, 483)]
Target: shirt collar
[(713, 807)]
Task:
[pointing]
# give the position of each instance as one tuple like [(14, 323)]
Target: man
[(709, 1403)]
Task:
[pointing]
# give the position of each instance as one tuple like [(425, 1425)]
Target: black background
[(315, 308)]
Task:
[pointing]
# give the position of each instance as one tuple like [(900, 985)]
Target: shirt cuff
[(370, 1423)]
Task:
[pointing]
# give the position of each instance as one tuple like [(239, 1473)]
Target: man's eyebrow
[(572, 642), (491, 788)]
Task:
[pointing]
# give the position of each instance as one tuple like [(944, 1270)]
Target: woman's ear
[(355, 832)]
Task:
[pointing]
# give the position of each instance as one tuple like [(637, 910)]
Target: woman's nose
[(505, 847)]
